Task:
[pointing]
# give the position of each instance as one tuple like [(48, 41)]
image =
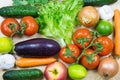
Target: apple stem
[(53, 71)]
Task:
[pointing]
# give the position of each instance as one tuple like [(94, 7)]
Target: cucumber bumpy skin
[(98, 2), (18, 11), (26, 74)]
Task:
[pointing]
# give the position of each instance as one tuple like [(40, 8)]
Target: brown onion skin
[(108, 67), (88, 16)]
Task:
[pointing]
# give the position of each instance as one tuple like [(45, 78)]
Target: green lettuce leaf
[(58, 19)]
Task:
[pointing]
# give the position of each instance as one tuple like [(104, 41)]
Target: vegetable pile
[(63, 39)]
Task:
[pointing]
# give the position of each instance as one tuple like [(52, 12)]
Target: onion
[(108, 68), (88, 16)]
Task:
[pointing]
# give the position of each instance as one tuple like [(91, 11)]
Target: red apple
[(56, 71)]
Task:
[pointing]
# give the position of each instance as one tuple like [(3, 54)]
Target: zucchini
[(98, 2), (26, 74), (18, 11)]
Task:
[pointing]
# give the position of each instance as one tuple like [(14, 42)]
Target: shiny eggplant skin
[(37, 47)]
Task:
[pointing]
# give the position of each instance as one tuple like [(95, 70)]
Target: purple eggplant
[(37, 47)]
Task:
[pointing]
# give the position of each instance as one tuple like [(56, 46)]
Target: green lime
[(6, 44), (104, 27), (77, 71)]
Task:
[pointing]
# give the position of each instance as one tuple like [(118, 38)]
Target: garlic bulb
[(7, 61), (106, 12)]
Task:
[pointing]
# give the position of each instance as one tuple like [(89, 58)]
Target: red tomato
[(82, 36), (29, 25), (94, 63), (69, 54), (9, 26), (107, 45)]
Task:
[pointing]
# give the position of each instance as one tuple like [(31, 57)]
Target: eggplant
[(37, 47)]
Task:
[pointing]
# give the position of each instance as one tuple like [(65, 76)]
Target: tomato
[(29, 25), (9, 26), (69, 53), (107, 44), (82, 37), (104, 27), (90, 62)]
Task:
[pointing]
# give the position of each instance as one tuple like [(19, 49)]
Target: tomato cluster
[(27, 26), (87, 48)]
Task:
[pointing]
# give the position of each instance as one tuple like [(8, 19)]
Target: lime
[(104, 27), (77, 71), (6, 44)]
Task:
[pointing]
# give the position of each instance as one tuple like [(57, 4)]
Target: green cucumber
[(98, 2), (18, 11), (26, 74)]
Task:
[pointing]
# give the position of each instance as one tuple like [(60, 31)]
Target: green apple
[(6, 44), (77, 71)]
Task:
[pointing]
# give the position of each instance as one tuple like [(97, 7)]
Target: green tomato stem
[(95, 34)]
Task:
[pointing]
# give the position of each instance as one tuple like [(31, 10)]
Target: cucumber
[(98, 2), (26, 74), (18, 11)]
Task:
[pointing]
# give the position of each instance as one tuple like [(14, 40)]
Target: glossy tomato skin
[(29, 24), (107, 44), (75, 51), (94, 64), (9, 26), (82, 33)]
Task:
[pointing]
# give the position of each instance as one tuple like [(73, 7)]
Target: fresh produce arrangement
[(59, 40)]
